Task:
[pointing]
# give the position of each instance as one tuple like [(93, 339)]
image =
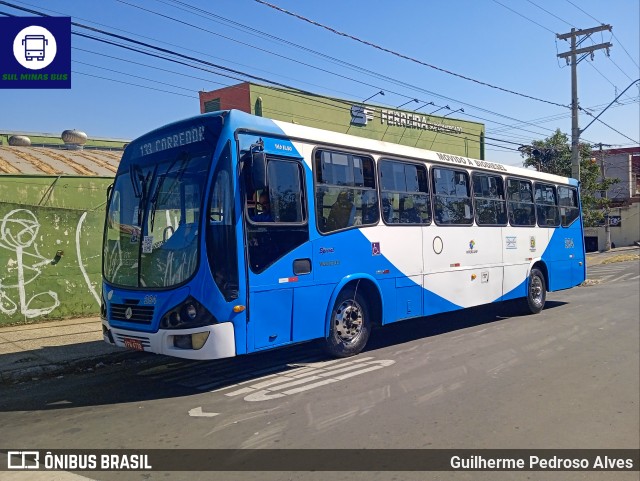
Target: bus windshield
[(151, 236)]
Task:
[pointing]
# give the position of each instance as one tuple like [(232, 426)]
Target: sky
[(498, 45)]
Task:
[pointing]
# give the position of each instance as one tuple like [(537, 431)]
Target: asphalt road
[(481, 378)]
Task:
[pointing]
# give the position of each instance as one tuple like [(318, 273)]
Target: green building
[(416, 128)]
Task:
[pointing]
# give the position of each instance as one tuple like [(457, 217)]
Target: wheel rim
[(537, 291), (348, 321)]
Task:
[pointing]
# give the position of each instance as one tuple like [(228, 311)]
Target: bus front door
[(279, 256)]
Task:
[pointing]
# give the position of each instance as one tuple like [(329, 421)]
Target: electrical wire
[(406, 57), (190, 65), (387, 78), (613, 34)]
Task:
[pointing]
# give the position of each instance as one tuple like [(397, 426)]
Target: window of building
[(452, 191), (489, 202), (405, 193), (568, 202), (547, 205), (521, 208), (346, 194), (212, 105)]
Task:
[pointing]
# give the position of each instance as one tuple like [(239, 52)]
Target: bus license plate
[(134, 344)]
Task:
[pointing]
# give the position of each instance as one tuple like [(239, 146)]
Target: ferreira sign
[(415, 121), (361, 115)]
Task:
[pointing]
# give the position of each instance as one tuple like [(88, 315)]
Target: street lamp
[(437, 110), (377, 93), (423, 106), (412, 100), (453, 112)]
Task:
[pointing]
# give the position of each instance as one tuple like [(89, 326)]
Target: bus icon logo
[(35, 43), (34, 47)]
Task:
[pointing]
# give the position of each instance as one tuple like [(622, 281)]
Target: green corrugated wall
[(50, 246)]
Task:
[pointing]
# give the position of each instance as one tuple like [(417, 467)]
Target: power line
[(613, 34), (547, 11), (203, 12), (169, 52), (406, 57), (568, 23), (524, 16), (133, 84), (254, 31)]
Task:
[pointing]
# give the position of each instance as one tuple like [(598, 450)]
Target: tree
[(553, 155)]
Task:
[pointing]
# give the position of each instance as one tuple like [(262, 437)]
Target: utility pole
[(572, 58), (603, 194)]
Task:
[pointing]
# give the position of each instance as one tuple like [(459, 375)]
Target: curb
[(35, 373)]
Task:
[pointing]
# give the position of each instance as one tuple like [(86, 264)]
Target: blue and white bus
[(228, 234)]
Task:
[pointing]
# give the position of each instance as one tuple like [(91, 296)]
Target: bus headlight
[(192, 311), (186, 315)]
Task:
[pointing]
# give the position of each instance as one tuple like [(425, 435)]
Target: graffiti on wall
[(20, 291), (18, 232)]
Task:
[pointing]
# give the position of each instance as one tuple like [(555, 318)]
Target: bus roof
[(239, 120)]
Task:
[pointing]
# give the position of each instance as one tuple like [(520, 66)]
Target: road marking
[(622, 277), (307, 377), (198, 413)]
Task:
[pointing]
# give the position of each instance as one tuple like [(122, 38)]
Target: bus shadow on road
[(425, 327), (144, 377)]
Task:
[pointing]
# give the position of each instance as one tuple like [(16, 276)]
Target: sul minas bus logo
[(35, 52)]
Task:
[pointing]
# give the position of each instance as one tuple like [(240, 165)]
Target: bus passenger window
[(452, 197), (546, 205), (345, 193), (520, 204), (569, 208), (405, 193), (489, 202)]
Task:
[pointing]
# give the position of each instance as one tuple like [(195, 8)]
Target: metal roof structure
[(58, 161)]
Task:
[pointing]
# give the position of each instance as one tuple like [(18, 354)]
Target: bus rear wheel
[(536, 292), (350, 325)]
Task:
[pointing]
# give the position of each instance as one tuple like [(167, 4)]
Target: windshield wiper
[(140, 184), (156, 193)]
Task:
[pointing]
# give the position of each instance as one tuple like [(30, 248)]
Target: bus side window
[(489, 203), (547, 205), (452, 197), (568, 201), (405, 193), (345, 192), (520, 203)]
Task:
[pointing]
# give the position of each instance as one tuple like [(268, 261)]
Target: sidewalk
[(32, 351), (596, 258)]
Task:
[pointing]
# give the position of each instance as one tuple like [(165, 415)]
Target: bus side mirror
[(258, 170)]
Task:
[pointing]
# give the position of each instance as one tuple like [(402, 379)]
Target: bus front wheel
[(350, 324), (536, 292)]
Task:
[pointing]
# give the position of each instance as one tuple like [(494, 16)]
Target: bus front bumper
[(207, 342)]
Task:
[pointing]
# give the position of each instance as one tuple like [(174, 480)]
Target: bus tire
[(536, 292), (350, 325)]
